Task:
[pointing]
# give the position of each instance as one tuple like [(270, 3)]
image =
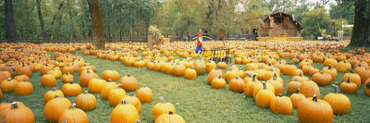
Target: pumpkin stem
[(9, 79), (249, 75), (219, 77), (72, 106), (348, 80), (57, 96), (71, 82), (335, 88), (144, 85), (254, 77), (321, 72), (161, 97), (297, 92), (368, 85), (86, 92), (137, 121), (264, 85), (128, 75), (296, 79), (118, 85), (123, 101), (350, 70), (314, 98), (14, 105), (170, 113), (131, 94)]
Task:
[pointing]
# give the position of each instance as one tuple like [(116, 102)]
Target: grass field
[(194, 100)]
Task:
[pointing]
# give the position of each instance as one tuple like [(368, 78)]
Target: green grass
[(194, 100)]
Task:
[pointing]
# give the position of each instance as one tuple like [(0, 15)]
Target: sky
[(327, 7)]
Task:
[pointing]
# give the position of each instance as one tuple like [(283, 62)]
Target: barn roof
[(295, 22)]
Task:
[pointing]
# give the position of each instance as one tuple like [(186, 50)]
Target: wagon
[(218, 55)]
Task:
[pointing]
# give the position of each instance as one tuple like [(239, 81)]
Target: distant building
[(279, 24)]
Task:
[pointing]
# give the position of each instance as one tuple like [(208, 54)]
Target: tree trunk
[(361, 30), (55, 16), (11, 32), (40, 17), (97, 24)]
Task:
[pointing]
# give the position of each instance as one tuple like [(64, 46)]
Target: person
[(199, 42)]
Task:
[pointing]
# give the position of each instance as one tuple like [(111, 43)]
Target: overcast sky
[(327, 7)]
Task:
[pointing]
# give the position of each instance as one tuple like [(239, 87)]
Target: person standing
[(199, 42)]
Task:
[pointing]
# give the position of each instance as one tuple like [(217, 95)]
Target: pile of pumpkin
[(60, 109), (304, 93)]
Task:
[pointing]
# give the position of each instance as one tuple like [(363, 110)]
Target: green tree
[(312, 20)]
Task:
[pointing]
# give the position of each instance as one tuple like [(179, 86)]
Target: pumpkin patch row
[(60, 109)]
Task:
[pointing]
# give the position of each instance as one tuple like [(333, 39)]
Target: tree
[(312, 20), (97, 23), (345, 11), (361, 29), (41, 19), (11, 33)]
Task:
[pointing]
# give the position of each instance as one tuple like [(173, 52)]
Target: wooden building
[(279, 25)]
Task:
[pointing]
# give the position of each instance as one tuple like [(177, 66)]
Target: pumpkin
[(218, 83), (264, 96), (133, 100), (249, 86), (309, 88), (96, 85), (343, 66), (48, 80), (313, 110), (124, 113), (144, 94), (330, 70), (85, 78), (281, 105), (110, 75), (354, 77), (44, 69), (107, 88), (278, 85), (259, 86), (364, 75), (178, 70), (129, 83), (313, 71), (18, 114), (4, 76), (200, 67), (1, 94), (221, 65), (296, 98), (170, 118), (23, 88), (210, 65), (322, 78), (55, 108), (51, 94), (231, 74), (339, 102), (21, 78), (73, 115), (86, 101), (162, 108), (330, 62), (367, 87), (66, 78), (8, 85), (236, 85), (293, 86), (116, 95), (190, 73), (71, 89), (213, 74), (348, 87)]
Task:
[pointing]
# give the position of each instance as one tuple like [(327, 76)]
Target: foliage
[(313, 19)]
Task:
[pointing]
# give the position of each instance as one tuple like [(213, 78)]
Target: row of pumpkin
[(58, 108)]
